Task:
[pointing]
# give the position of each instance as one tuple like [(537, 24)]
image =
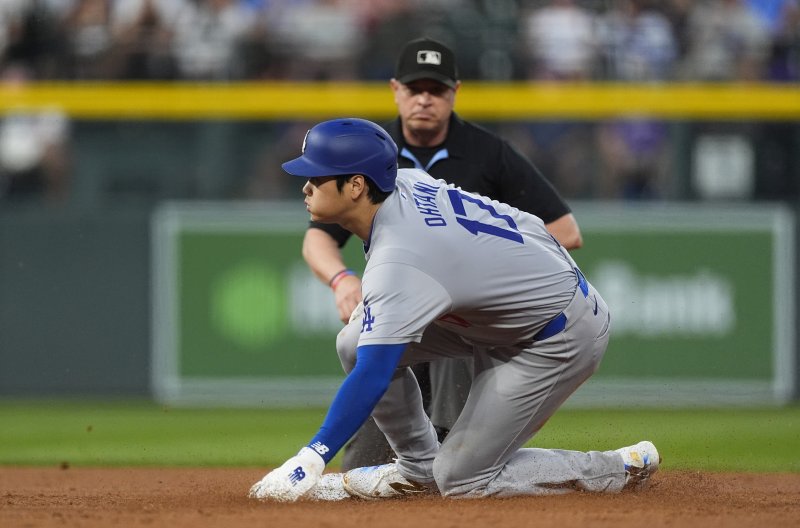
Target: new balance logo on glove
[(297, 475)]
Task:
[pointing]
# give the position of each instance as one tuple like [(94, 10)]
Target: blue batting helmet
[(347, 146)]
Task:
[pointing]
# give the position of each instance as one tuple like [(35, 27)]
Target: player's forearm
[(357, 397), (322, 254), (566, 231)]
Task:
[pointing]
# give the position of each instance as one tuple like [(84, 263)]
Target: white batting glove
[(296, 477)]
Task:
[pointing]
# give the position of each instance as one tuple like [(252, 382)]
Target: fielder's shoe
[(381, 482), (641, 462)]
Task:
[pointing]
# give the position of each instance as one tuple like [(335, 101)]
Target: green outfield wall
[(702, 302)]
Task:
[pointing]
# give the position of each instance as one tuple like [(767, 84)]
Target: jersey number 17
[(458, 198)]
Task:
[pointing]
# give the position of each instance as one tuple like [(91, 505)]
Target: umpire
[(430, 136)]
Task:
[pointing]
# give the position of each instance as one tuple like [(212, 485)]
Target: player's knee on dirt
[(346, 344)]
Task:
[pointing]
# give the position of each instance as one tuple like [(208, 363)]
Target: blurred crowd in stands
[(495, 40), (629, 40)]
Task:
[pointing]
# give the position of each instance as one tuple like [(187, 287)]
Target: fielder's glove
[(292, 480)]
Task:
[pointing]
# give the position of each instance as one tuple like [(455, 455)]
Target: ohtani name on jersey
[(425, 200)]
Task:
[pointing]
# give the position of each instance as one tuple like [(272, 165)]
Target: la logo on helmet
[(303, 149)]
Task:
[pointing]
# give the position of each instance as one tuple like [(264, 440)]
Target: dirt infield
[(199, 498)]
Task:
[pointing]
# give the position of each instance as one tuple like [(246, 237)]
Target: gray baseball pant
[(515, 390)]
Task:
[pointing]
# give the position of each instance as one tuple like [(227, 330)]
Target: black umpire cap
[(426, 58)]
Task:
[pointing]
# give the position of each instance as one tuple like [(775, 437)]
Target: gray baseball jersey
[(480, 268), (458, 275)]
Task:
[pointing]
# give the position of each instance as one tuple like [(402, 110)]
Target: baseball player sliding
[(450, 274)]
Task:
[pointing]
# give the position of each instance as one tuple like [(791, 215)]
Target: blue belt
[(559, 322)]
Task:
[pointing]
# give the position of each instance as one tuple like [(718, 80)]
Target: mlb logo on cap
[(429, 57)]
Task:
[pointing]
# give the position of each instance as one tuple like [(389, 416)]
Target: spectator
[(143, 31), (727, 42), (322, 39), (89, 40), (31, 36), (634, 158), (208, 34), (560, 45), (782, 19), (559, 40), (638, 45), (637, 42), (34, 153), (12, 15), (780, 16), (389, 25), (677, 12)]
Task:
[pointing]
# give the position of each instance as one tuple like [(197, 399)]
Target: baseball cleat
[(641, 462), (381, 482)]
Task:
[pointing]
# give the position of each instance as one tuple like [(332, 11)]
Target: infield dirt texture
[(199, 498)]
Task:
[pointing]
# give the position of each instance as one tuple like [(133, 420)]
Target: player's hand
[(296, 477), (347, 296)]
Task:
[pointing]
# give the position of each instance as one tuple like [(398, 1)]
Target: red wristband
[(336, 279)]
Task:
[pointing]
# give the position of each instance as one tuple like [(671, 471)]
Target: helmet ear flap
[(347, 146)]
